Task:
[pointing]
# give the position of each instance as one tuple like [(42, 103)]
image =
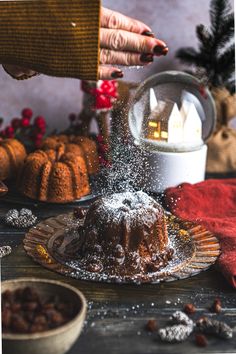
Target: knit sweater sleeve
[(54, 37)]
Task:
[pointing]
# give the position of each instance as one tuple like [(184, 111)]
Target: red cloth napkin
[(213, 204)]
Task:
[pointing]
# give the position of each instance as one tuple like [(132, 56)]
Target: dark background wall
[(172, 20)]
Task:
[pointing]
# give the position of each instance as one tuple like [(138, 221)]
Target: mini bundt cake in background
[(88, 146), (125, 234), (12, 156), (55, 176)]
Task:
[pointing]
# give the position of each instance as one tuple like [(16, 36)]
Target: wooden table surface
[(117, 314)]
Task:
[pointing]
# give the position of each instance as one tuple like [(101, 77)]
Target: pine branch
[(226, 31), (226, 63), (204, 36), (219, 9), (189, 55), (219, 64)]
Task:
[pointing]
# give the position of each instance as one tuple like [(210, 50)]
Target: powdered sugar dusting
[(137, 208)]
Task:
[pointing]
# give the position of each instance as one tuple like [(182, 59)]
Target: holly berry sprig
[(26, 129)]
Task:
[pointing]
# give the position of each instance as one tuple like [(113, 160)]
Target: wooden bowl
[(54, 341)]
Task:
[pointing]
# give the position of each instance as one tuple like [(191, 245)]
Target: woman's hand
[(125, 41)]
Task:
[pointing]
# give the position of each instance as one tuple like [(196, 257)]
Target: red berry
[(16, 122), (3, 133), (25, 122), (100, 138), (43, 130), (102, 160), (27, 113), (38, 136), (103, 148), (38, 143), (102, 102), (9, 131), (39, 122), (72, 117)]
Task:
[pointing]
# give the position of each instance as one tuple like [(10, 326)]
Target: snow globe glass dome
[(172, 111), (171, 117)]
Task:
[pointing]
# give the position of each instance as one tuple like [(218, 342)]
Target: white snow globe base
[(164, 169)]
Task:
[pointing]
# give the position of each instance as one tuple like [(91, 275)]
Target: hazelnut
[(201, 340), (151, 325), (216, 306), (189, 309)]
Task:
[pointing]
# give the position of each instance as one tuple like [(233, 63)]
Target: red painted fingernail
[(117, 74), (146, 58), (165, 51), (158, 50), (148, 33)]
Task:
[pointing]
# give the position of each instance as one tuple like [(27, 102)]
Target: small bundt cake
[(55, 176), (12, 156), (125, 234), (88, 147)]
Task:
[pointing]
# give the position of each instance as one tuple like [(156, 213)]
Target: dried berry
[(54, 317), (29, 294), (30, 306), (48, 306), (29, 316), (19, 324), (23, 311), (18, 293), (216, 306), (6, 317), (151, 325), (35, 328), (201, 340), (41, 320), (16, 307), (7, 296), (189, 309)]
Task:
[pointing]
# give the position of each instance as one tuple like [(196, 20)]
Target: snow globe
[(171, 117)]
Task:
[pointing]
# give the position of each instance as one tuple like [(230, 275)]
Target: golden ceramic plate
[(53, 244)]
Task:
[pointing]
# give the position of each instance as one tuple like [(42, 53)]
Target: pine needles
[(216, 50)]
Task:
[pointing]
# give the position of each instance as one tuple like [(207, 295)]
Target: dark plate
[(51, 244)]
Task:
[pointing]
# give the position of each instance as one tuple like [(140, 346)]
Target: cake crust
[(125, 234)]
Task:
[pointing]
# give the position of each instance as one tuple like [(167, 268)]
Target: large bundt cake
[(125, 234), (12, 156), (55, 176), (88, 148)]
